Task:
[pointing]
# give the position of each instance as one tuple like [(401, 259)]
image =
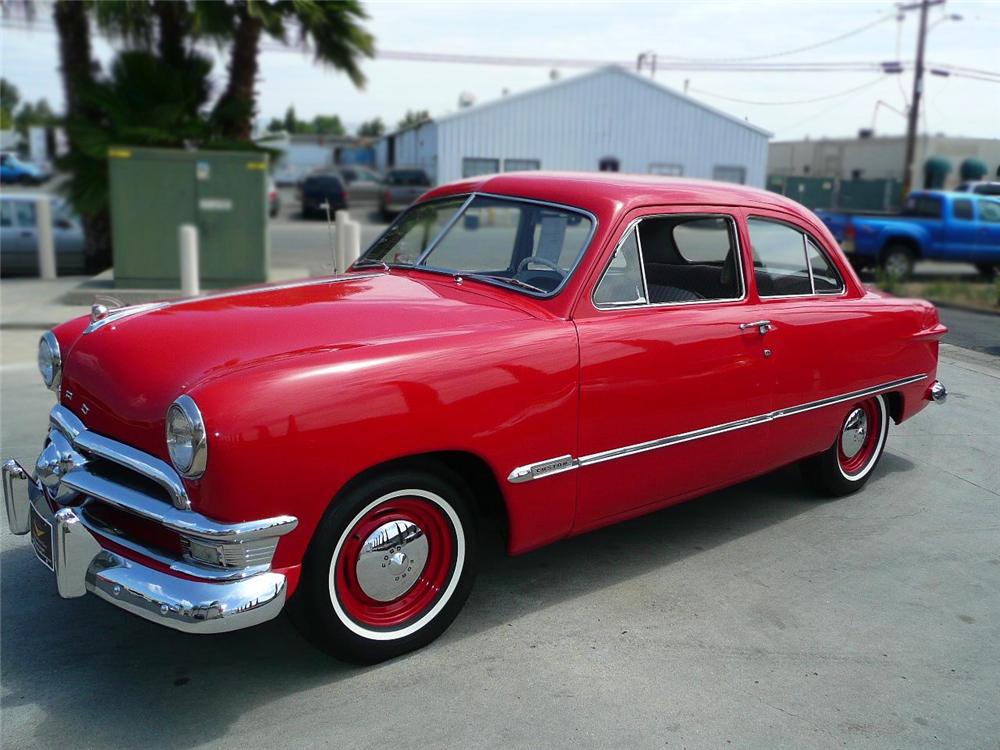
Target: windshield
[(529, 246)]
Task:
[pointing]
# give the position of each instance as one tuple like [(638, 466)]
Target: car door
[(961, 230), (673, 371), (823, 338), (988, 231)]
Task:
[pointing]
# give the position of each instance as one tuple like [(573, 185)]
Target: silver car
[(400, 188), (19, 236)]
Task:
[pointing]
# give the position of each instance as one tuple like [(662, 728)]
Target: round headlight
[(50, 360), (186, 440)]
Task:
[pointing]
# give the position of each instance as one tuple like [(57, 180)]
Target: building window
[(472, 167), (730, 174), (666, 170), (521, 165), (608, 164)]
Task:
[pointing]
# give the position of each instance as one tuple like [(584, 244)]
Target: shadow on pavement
[(98, 676)]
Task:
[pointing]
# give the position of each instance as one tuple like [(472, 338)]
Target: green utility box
[(223, 193)]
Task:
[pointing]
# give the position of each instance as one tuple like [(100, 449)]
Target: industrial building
[(869, 157), (609, 119)]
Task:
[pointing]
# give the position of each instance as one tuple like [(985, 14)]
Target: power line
[(790, 102)]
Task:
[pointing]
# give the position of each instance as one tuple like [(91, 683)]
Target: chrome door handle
[(763, 326)]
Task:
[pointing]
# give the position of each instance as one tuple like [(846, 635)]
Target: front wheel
[(846, 465), (390, 566)]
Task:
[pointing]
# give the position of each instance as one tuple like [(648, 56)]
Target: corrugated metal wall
[(572, 125), (418, 147)]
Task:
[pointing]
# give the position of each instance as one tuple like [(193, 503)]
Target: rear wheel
[(390, 566), (988, 270), (897, 261), (846, 465)]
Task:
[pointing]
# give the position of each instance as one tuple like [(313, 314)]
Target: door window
[(622, 283), (962, 209), (25, 213), (674, 260), (786, 262), (989, 212)]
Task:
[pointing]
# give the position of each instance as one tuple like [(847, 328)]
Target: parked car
[(980, 187), (20, 171), (400, 188), (363, 184), (933, 225), (273, 198), (320, 189), (564, 351), (19, 236)]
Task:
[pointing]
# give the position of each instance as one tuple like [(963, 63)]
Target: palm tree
[(331, 29)]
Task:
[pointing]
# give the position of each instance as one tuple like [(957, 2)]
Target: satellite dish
[(466, 99)]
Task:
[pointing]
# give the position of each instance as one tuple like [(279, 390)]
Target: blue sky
[(619, 31)]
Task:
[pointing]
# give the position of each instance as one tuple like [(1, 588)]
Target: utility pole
[(918, 90)]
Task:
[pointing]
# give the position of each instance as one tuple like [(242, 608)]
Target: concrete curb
[(964, 308)]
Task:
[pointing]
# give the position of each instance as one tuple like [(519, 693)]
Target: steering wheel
[(541, 261)]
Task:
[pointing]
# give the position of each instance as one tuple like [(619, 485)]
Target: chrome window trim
[(461, 210), (812, 284), (565, 463), (734, 226)]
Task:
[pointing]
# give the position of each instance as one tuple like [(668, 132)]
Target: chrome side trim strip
[(558, 465)]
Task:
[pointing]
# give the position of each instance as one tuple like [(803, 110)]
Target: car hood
[(122, 375)]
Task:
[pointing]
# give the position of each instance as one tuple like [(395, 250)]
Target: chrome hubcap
[(855, 432), (391, 560)]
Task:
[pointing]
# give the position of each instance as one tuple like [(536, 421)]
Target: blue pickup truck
[(933, 225)]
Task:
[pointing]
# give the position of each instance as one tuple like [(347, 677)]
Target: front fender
[(285, 437)]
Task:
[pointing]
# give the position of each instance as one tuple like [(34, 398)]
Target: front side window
[(989, 212), (674, 260), (786, 262), (529, 246), (475, 167), (622, 283)]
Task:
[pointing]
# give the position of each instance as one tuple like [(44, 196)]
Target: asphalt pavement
[(755, 617)]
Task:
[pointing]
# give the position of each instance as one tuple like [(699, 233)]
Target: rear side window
[(962, 210), (787, 263), (989, 212), (922, 207)]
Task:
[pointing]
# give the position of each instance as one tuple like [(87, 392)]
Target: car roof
[(586, 189)]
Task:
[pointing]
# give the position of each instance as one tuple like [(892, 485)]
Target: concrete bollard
[(46, 242), (187, 235), (353, 245), (340, 220)]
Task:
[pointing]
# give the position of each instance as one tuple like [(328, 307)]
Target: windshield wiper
[(505, 279), (365, 262)]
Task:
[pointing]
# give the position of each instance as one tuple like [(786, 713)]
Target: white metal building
[(610, 119)]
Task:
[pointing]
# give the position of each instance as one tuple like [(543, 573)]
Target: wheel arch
[(910, 243), (488, 499), (894, 404)]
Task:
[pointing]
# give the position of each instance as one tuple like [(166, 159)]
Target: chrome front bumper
[(81, 564)]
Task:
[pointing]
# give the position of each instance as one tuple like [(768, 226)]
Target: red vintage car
[(565, 350)]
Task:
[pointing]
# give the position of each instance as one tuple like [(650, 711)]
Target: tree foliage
[(414, 117), (371, 128)]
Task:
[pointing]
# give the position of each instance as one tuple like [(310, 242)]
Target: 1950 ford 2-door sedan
[(567, 349)]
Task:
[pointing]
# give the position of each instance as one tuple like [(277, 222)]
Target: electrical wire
[(790, 102)]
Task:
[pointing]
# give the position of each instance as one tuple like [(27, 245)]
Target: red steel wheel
[(860, 437), (396, 564)]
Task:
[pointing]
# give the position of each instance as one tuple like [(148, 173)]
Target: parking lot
[(757, 616)]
